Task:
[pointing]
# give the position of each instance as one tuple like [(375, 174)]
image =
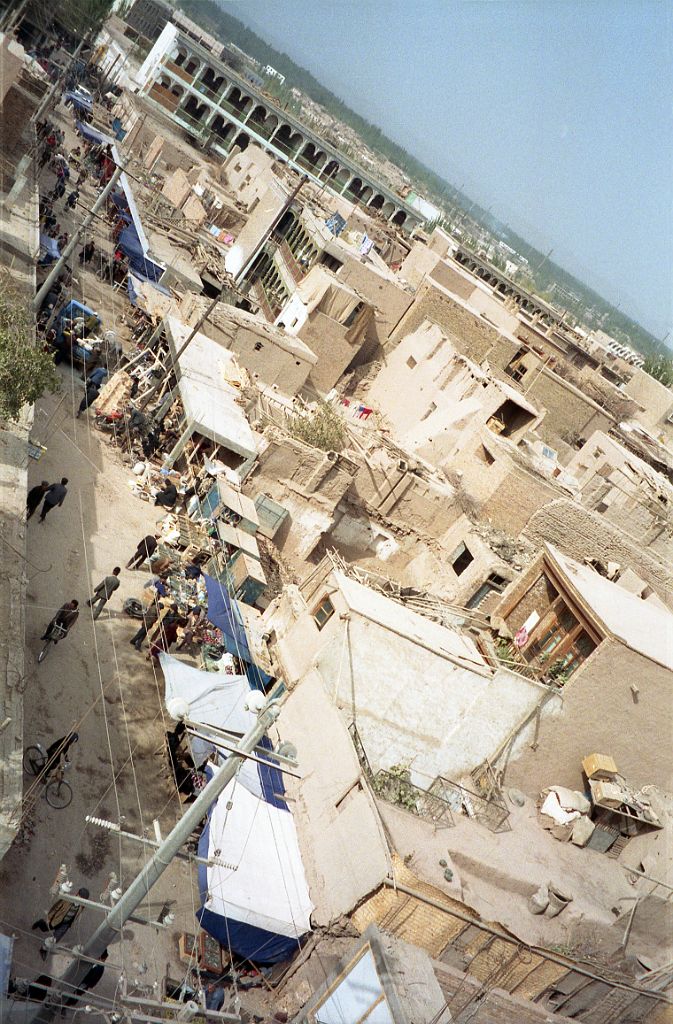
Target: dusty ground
[(95, 682)]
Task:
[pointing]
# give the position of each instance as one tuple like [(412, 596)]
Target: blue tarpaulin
[(129, 243), (92, 134), (223, 612)]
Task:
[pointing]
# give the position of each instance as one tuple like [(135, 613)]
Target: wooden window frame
[(326, 599)]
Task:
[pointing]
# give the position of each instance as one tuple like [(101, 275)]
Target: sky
[(558, 115)]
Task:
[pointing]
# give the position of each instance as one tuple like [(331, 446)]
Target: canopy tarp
[(223, 612), (92, 134), (217, 699), (261, 909), (130, 244)]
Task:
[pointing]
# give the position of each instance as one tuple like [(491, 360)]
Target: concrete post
[(111, 927), (20, 181), (51, 277)]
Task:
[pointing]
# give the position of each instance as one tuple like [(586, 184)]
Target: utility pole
[(110, 928), (56, 269)]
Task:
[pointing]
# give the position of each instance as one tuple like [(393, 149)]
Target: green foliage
[(322, 428), (395, 786), (26, 370), (661, 368)]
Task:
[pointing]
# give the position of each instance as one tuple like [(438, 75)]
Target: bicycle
[(55, 634), (58, 792)]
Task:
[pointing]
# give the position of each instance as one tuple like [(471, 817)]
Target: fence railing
[(398, 790), (492, 812)]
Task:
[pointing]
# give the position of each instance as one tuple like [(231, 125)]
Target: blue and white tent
[(261, 909), (259, 905)]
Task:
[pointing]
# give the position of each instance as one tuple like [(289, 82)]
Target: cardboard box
[(599, 766)]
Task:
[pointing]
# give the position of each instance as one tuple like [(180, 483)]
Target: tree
[(26, 369), (661, 368), (321, 427)]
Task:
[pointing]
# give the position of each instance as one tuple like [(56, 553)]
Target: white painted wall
[(412, 705), (162, 46)]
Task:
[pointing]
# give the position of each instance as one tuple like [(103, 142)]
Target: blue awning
[(92, 134), (129, 243), (223, 612)]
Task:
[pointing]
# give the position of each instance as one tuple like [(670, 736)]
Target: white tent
[(263, 906), (210, 699)]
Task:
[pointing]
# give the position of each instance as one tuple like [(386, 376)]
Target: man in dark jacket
[(65, 617), (104, 592), (54, 495), (35, 496), (168, 496), (146, 548), (150, 616)]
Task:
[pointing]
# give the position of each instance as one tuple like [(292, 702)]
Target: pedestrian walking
[(90, 395), (54, 495), (150, 616), (97, 376), (58, 190), (89, 981), (104, 592), (87, 253), (167, 635), (71, 201), (146, 548), (60, 918), (35, 496)]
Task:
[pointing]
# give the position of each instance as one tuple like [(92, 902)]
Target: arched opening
[(311, 155), (191, 66), (238, 100), (222, 129), (366, 194), (287, 140), (242, 141), (263, 122), (286, 223), (180, 58), (400, 218), (211, 80), (355, 188), (330, 170), (388, 208), (377, 202), (195, 109)]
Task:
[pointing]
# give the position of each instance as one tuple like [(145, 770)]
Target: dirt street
[(95, 682)]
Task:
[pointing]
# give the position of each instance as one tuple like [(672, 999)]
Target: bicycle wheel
[(44, 652), (33, 760), (58, 794)]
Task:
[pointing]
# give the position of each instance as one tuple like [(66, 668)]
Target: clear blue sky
[(556, 114)]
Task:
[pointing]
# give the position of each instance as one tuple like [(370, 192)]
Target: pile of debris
[(608, 809)]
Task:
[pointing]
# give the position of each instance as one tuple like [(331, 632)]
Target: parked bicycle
[(57, 791)]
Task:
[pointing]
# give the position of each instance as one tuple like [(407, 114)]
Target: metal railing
[(491, 812), (398, 790)]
